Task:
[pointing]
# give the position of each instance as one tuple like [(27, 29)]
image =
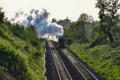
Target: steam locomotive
[(61, 42)]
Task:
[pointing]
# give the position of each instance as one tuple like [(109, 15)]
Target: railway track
[(67, 66), (79, 66), (51, 72), (61, 69)]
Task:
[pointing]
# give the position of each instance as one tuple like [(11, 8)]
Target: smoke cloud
[(40, 21)]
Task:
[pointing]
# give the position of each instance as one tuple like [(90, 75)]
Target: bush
[(100, 39)]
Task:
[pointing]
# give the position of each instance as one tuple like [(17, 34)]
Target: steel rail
[(60, 66), (81, 68)]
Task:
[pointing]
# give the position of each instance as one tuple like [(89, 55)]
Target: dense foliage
[(21, 53), (81, 30), (108, 16), (85, 29)]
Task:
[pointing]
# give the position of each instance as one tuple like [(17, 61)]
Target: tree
[(90, 19), (83, 17), (1, 15), (83, 24), (80, 30), (108, 16), (65, 22), (54, 20)]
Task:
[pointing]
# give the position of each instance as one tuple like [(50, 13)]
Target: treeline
[(81, 30), (106, 30)]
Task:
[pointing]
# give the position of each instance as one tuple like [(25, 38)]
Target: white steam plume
[(40, 21)]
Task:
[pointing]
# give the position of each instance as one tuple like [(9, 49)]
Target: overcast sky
[(58, 9)]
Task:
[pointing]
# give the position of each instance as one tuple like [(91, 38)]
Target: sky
[(59, 9)]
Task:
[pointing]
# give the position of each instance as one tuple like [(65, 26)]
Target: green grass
[(18, 59), (104, 59)]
